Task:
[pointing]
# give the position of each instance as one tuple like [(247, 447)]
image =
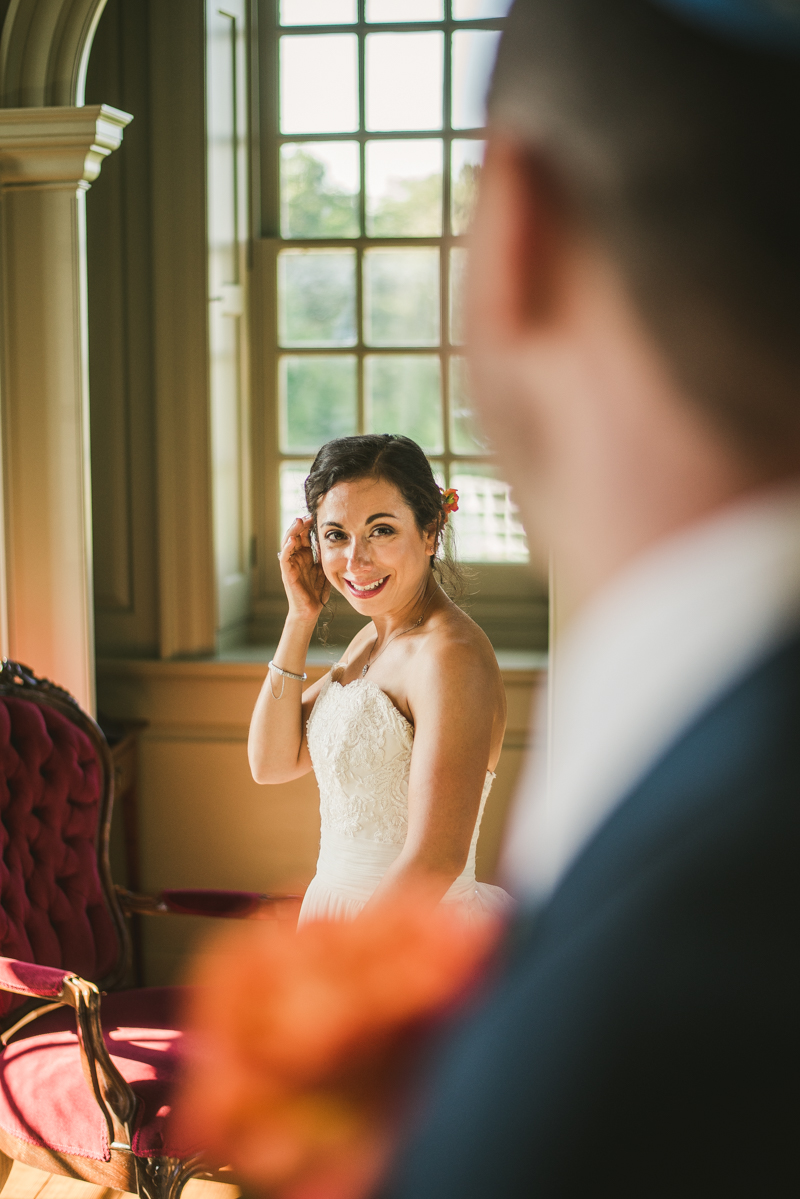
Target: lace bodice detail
[(360, 748), (361, 752)]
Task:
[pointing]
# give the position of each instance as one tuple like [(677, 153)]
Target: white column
[(48, 159)]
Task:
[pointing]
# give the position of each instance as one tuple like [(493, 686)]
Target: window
[(372, 145)]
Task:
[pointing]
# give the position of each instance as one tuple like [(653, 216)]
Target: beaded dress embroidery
[(360, 747)]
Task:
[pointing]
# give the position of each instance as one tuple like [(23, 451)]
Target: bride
[(404, 733)]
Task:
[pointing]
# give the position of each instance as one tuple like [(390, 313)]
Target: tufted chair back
[(57, 904)]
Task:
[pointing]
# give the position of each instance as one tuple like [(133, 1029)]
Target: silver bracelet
[(287, 674)]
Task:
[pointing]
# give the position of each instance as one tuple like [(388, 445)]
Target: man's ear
[(517, 243)]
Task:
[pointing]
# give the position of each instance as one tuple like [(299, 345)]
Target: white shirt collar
[(668, 635)]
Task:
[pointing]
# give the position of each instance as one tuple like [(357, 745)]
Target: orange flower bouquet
[(300, 1042)]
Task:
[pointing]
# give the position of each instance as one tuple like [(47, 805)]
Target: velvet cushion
[(45, 1100), (32, 980), (52, 909)]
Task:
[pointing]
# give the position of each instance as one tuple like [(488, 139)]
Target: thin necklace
[(402, 632)]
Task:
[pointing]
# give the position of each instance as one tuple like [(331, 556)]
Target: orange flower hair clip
[(449, 499)]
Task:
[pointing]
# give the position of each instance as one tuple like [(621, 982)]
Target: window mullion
[(362, 209), (444, 252), (360, 335)]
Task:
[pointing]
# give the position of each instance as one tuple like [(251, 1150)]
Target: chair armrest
[(226, 905), (31, 980), (113, 1096)]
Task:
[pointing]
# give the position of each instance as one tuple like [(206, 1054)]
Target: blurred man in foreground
[(634, 331)]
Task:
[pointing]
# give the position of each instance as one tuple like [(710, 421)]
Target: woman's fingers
[(292, 538), (304, 531), (296, 558), (298, 534), (303, 579)]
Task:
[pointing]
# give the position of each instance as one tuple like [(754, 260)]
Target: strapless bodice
[(360, 747)]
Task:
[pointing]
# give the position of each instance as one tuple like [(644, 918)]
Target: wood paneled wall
[(205, 823), (121, 375), (151, 465)]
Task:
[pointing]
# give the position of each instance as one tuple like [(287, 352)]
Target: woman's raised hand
[(307, 589)]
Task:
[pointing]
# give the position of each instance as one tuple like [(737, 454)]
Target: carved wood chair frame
[(160, 1177)]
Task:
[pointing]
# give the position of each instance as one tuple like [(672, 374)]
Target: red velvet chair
[(84, 1085)]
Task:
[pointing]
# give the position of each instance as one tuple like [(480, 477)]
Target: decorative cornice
[(57, 145)]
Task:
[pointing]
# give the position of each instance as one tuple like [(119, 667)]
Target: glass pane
[(465, 172), (402, 394), (401, 297), (465, 437), (319, 189), (317, 297), (293, 496), (404, 188), (474, 10), (319, 12), (404, 80), (317, 400), (458, 267), (331, 105), (487, 525), (405, 10), (474, 52)]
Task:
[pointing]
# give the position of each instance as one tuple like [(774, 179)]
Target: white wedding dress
[(360, 748)]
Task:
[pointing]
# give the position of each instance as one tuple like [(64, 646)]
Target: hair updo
[(399, 461)]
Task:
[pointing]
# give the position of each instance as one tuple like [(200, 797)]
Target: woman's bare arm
[(276, 746), (458, 706)]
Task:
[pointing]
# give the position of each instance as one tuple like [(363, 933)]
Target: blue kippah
[(771, 24)]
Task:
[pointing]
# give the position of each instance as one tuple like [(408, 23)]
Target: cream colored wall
[(203, 820)]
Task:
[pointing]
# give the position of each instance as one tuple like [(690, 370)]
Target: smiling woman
[(404, 759)]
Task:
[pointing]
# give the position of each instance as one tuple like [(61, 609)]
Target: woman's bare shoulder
[(457, 645), (455, 671)]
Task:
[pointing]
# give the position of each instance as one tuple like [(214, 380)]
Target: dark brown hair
[(678, 150), (399, 461)]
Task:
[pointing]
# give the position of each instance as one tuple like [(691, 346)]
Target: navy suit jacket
[(642, 1036)]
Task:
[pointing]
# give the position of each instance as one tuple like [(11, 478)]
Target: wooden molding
[(45, 51), (121, 334), (213, 699), (187, 618)]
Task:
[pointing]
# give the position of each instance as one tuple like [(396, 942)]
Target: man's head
[(636, 268)]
